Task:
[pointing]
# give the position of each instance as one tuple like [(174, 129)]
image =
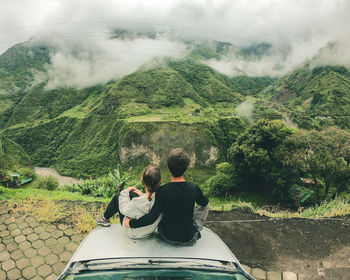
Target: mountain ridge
[(83, 132)]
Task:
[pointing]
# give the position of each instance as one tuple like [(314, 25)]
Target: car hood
[(111, 242)]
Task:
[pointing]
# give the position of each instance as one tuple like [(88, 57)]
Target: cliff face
[(92, 146), (151, 143)]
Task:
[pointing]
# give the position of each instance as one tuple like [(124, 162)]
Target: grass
[(29, 192), (43, 209), (56, 206), (151, 117), (53, 206), (80, 111), (164, 113), (333, 208), (219, 204)]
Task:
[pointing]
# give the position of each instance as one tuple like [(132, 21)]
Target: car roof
[(112, 242)]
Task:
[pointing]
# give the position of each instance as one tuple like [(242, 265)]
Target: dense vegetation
[(270, 157), (314, 97), (12, 155), (236, 123)]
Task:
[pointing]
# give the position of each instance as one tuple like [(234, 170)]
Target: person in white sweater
[(134, 204)]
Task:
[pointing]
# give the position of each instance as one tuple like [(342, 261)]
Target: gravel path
[(62, 180)]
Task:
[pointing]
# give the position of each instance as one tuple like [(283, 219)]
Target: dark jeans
[(113, 206), (191, 242)]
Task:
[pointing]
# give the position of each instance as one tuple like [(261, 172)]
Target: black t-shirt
[(176, 200)]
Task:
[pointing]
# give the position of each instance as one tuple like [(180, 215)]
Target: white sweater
[(136, 208)]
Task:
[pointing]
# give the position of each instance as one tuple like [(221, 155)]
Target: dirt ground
[(298, 245), (62, 180)]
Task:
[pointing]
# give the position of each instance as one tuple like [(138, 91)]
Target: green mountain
[(137, 119), (134, 120), (313, 97), (12, 155), (19, 64)]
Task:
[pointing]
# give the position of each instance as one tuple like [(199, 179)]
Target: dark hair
[(151, 178), (178, 161)]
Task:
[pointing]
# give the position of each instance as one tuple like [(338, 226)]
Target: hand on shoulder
[(133, 188)]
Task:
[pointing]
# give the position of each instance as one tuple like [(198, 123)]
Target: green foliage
[(225, 168), (208, 84), (18, 65), (41, 105), (27, 172), (226, 131), (12, 155), (31, 192), (159, 87), (104, 186), (48, 182), (325, 155), (220, 185), (256, 159), (251, 86), (314, 98), (224, 182), (266, 110)]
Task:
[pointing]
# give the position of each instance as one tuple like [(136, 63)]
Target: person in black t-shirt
[(181, 220)]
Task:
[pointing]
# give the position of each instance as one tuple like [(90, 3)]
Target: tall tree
[(256, 156), (323, 155)]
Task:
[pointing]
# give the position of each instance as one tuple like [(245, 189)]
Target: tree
[(256, 157), (224, 182), (300, 154), (324, 155), (339, 143)]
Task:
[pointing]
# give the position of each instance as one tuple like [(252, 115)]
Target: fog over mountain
[(85, 54)]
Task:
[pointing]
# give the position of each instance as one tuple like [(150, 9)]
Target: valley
[(256, 92)]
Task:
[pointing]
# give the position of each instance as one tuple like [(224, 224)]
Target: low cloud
[(296, 30), (276, 62), (245, 110), (107, 60)]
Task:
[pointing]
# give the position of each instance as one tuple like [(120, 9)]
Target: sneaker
[(102, 221)]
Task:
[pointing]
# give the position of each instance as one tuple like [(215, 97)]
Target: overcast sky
[(302, 26), (237, 21)]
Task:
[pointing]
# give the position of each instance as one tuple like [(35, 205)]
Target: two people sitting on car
[(173, 206)]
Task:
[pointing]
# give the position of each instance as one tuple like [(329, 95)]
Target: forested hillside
[(85, 132), (314, 98), (136, 119)]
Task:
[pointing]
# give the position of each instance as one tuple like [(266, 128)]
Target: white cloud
[(297, 29), (107, 60), (245, 110)]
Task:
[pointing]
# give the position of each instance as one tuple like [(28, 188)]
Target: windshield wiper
[(151, 263)]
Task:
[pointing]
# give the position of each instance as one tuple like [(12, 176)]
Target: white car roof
[(112, 242)]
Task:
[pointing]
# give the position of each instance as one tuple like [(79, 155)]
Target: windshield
[(158, 274)]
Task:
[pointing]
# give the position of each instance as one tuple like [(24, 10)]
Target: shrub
[(70, 188), (27, 172), (48, 182), (104, 186), (224, 182), (225, 168), (220, 185)]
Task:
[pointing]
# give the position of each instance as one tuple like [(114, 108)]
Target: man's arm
[(201, 199), (149, 218)]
